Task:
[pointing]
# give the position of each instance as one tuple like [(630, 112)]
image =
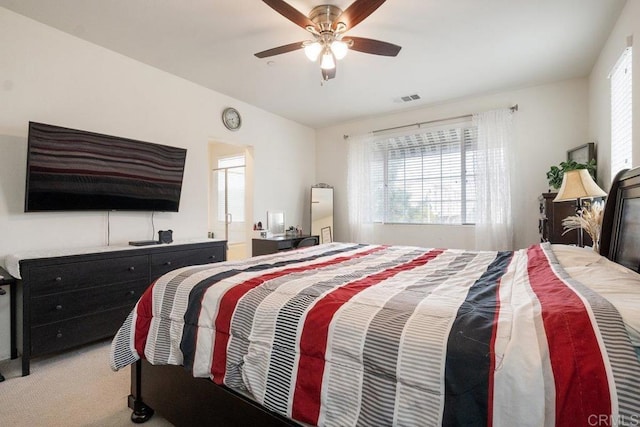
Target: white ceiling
[(450, 48)]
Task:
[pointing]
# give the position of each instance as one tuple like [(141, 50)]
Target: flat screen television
[(75, 170)]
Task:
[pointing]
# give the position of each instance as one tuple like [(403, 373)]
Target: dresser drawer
[(167, 261), (73, 332), (86, 274), (62, 306)]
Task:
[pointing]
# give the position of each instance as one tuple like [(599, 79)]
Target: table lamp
[(576, 185)]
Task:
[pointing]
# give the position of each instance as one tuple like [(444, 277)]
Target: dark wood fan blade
[(375, 47), (328, 74), (280, 49), (357, 12), (291, 13)]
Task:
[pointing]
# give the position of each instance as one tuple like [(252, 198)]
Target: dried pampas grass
[(590, 220)]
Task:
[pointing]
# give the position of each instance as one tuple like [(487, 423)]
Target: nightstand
[(550, 222), (7, 280)]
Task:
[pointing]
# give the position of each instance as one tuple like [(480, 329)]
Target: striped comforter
[(346, 334)]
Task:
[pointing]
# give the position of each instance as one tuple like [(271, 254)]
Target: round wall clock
[(231, 118)]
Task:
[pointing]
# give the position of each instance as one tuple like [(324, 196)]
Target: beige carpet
[(74, 388)]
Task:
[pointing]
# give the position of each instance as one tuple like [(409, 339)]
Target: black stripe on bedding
[(380, 352), (192, 314), (469, 349)]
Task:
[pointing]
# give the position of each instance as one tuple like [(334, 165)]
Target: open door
[(228, 198)]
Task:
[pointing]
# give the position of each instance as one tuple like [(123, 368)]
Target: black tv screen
[(75, 170)]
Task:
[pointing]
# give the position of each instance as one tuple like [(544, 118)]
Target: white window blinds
[(621, 120), (425, 176)]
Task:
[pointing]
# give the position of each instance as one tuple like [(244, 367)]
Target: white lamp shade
[(578, 184), (312, 50), (328, 62), (339, 49)]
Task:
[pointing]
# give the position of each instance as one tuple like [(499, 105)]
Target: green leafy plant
[(555, 173)]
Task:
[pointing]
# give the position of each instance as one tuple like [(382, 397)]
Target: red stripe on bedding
[(144, 313), (582, 387), (313, 342), (230, 299)]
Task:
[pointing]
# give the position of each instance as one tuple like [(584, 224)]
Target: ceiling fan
[(327, 24)]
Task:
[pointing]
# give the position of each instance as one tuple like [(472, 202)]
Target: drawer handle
[(131, 293), (58, 307), (212, 257), (167, 263), (58, 279), (132, 268), (59, 334)]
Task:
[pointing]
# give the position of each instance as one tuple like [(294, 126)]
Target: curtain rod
[(513, 109)]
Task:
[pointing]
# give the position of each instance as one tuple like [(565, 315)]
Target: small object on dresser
[(143, 242), (165, 236), (291, 232)]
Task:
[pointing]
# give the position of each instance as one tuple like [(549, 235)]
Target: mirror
[(322, 213), (275, 222)]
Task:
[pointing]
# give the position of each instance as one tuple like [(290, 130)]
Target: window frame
[(621, 119)]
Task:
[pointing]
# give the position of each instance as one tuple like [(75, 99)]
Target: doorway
[(229, 197)]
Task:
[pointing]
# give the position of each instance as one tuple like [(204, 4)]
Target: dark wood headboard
[(620, 238)]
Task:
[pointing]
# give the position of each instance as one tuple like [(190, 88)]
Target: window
[(621, 120), (425, 176)]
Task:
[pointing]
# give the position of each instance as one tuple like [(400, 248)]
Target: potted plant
[(555, 173)]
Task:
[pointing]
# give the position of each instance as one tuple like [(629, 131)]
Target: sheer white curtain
[(360, 196), (494, 221)]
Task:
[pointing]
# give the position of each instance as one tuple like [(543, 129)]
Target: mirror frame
[(327, 224)]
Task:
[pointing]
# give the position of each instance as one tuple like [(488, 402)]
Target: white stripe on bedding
[(619, 285)]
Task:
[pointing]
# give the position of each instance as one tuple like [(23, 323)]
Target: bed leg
[(141, 412)]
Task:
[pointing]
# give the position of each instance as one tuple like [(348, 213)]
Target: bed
[(351, 334)]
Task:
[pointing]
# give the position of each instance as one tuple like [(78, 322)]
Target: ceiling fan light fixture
[(339, 49), (312, 50), (328, 24), (328, 61)]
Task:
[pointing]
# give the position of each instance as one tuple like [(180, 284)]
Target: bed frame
[(187, 401), (620, 241)]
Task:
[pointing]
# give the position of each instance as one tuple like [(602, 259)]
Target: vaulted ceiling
[(450, 48)]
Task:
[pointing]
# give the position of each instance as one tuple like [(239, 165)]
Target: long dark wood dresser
[(72, 299)]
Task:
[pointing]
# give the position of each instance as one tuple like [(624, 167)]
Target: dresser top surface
[(12, 262), (282, 238)]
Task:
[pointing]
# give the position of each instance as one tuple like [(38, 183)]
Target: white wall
[(599, 90), (52, 77), (551, 119)]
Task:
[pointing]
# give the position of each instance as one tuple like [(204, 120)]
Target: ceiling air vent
[(407, 98)]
